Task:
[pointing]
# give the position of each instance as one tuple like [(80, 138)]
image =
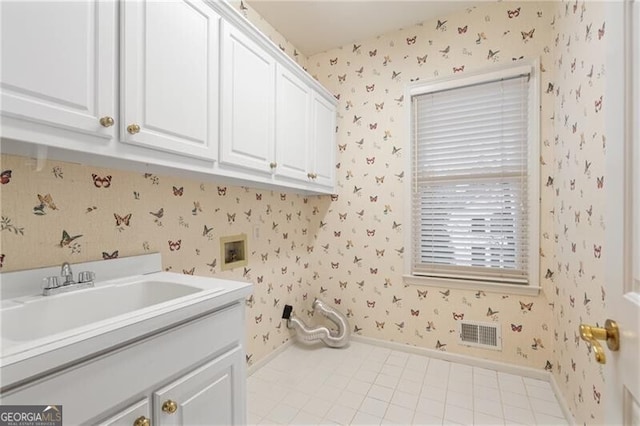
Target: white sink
[(132, 299), (43, 316)]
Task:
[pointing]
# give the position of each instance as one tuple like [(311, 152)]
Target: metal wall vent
[(480, 334)]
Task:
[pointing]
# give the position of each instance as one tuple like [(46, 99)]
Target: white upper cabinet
[(181, 84), (248, 102), (293, 131), (169, 79), (58, 64), (323, 144)]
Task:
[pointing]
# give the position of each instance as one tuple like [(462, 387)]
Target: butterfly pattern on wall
[(363, 255), (579, 145), (128, 214), (489, 35)]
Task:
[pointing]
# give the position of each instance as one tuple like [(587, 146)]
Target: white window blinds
[(470, 193)]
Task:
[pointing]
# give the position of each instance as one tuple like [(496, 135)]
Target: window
[(475, 178)]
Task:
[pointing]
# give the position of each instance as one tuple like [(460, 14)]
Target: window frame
[(531, 67)]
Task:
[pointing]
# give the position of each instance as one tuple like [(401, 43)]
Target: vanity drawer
[(89, 390)]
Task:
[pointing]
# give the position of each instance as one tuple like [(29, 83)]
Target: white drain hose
[(334, 339)]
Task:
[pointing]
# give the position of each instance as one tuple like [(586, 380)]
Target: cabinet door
[(128, 416), (58, 64), (248, 102), (293, 132), (213, 394), (169, 85), (323, 144)]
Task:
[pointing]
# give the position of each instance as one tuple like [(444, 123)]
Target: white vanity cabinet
[(58, 65), (206, 395), (137, 412), (191, 373), (203, 396), (169, 76)]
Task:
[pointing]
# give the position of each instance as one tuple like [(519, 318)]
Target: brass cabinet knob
[(107, 121), (273, 165), (142, 421), (610, 333), (169, 406), (310, 175), (133, 129)]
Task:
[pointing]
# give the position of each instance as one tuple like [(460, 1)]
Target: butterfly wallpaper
[(69, 212), (363, 242), (579, 184), (348, 248)]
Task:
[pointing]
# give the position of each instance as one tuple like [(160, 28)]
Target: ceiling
[(315, 26)]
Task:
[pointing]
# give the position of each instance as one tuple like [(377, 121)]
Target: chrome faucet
[(67, 274), (52, 286)]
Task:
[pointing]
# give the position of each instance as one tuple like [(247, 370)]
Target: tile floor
[(367, 385)]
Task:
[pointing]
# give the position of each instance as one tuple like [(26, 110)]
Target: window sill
[(527, 290)]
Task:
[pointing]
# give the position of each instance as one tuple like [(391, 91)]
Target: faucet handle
[(86, 277), (51, 282)]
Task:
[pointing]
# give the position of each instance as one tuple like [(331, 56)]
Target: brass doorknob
[(610, 333), (133, 129), (142, 421), (169, 406), (107, 121)]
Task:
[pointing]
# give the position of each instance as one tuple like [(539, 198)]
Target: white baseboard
[(461, 359), (259, 364), (563, 403)]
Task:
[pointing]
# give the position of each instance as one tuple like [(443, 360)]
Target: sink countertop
[(26, 360)]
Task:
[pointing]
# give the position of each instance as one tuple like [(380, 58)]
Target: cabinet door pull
[(273, 165), (169, 406), (107, 121), (142, 421), (133, 129)]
